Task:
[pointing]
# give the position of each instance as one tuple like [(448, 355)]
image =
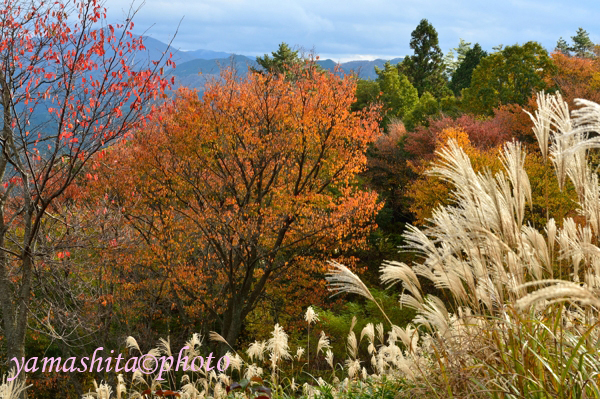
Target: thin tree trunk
[(232, 325)]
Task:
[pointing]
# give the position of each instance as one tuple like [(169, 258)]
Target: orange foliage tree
[(68, 88), (250, 185), (427, 191), (576, 77)]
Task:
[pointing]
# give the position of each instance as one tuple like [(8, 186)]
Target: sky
[(353, 30)]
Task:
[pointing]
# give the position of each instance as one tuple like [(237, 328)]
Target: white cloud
[(357, 27)]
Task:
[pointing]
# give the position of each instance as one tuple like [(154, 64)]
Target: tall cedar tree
[(240, 190), (582, 44), (425, 68), (563, 47), (67, 90), (450, 62), (461, 78)]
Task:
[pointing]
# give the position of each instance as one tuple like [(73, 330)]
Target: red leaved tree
[(482, 134), (68, 87)]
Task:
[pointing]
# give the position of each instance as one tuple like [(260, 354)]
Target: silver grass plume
[(560, 291), (329, 358), (311, 316), (216, 337), (323, 343), (551, 116), (256, 350), (352, 344), (380, 333), (165, 346), (369, 331), (278, 345), (353, 367), (131, 343), (393, 272), (299, 353), (14, 388), (253, 371), (353, 323), (121, 387), (340, 279)]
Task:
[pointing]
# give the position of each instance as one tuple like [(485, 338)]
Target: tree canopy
[(508, 76), (248, 186), (582, 44), (451, 62), (68, 89), (461, 78), (399, 96), (282, 61)]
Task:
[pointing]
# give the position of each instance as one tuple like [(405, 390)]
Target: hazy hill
[(195, 73), (366, 69), (207, 54), (214, 66), (156, 48), (194, 68)]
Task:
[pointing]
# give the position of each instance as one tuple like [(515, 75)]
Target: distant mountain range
[(195, 68)]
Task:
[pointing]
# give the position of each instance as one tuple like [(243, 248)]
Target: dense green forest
[(429, 232)]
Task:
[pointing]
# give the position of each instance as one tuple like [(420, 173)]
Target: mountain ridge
[(194, 68), (195, 73)]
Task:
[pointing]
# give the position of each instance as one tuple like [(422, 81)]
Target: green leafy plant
[(252, 388)]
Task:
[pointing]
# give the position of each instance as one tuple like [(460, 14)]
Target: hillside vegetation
[(421, 227)]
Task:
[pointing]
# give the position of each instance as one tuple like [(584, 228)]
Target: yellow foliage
[(428, 192)]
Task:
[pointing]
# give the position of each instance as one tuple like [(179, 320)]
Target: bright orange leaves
[(236, 190), (576, 77)]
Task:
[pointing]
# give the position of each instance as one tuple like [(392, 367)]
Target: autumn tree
[(562, 46), (284, 61), (575, 77), (388, 173), (68, 88), (367, 93), (451, 62), (481, 134), (426, 108), (582, 45), (242, 188), (428, 192), (514, 122)]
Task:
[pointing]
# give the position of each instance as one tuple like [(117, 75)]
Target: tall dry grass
[(524, 299)]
